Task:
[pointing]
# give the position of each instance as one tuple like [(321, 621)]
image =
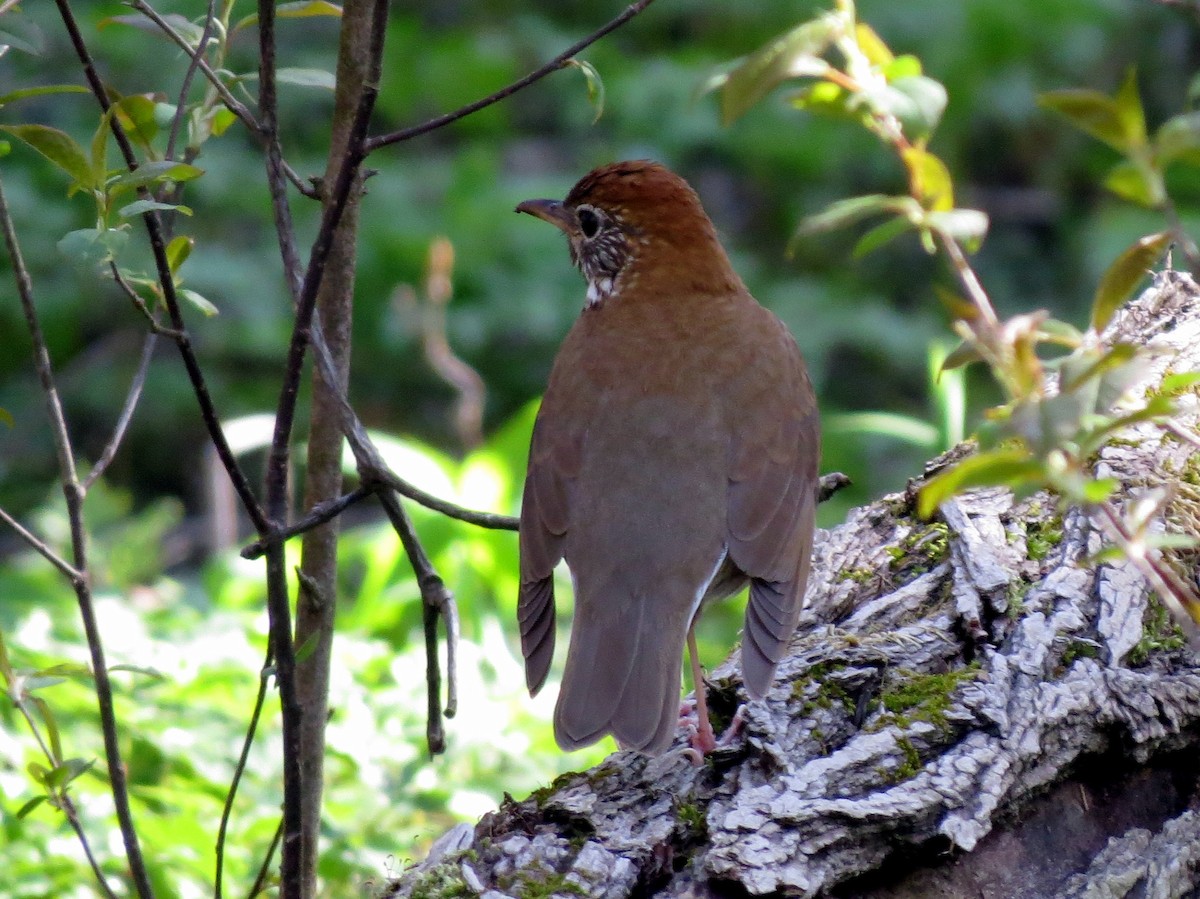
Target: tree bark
[(970, 708)]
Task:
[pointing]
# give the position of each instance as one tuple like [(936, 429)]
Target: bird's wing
[(772, 507), (554, 459)]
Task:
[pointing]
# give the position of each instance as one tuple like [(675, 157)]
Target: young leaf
[(926, 103), (881, 235), (1137, 182), (998, 468), (136, 113), (139, 206), (1089, 111), (595, 86), (13, 96), (90, 246), (1173, 385), (793, 54), (846, 212), (967, 226), (29, 806), (199, 302), (963, 354), (1129, 110), (183, 26), (61, 149), (1124, 275), (149, 172), (299, 10), (872, 45), (301, 77), (178, 251), (1178, 138), (929, 179)]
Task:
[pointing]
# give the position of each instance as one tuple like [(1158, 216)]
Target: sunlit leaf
[(967, 226), (1099, 490), (871, 45), (904, 66), (140, 206), (136, 113), (1177, 383), (826, 98), (221, 120), (319, 78), (997, 468), (61, 149), (929, 179), (792, 55), (152, 673), (926, 101), (178, 251), (1125, 274), (595, 86), (888, 424), (29, 806)]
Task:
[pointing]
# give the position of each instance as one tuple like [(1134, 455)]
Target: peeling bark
[(968, 709)]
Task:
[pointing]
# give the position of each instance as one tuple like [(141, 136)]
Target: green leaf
[(6, 417), (929, 179), (21, 33), (967, 226), (90, 247), (924, 103), (51, 724), (1178, 138), (1138, 182), (997, 468), (871, 46), (308, 647), (302, 9), (881, 235), (183, 26), (1173, 385), (846, 212), (178, 251), (199, 302), (41, 91), (1090, 111), (901, 427), (963, 354), (1090, 366), (29, 806), (792, 55), (63, 774), (150, 172), (136, 115), (300, 77), (221, 120), (1058, 332), (1129, 110), (61, 149), (140, 206), (1099, 490), (595, 86), (1125, 274), (152, 673)]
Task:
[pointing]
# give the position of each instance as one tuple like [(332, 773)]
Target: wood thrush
[(674, 458)]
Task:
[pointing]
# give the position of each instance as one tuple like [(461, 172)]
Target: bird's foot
[(701, 740)]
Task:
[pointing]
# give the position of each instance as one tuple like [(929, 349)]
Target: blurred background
[(867, 326)]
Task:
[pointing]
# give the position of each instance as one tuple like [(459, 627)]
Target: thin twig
[(208, 412), (42, 548), (553, 65), (74, 497), (131, 401), (1181, 432), (1149, 564), (438, 600), (260, 881), (239, 770), (140, 305), (195, 54), (482, 519), (194, 60), (317, 516)]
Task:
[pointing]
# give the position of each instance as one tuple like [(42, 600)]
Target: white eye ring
[(589, 222)]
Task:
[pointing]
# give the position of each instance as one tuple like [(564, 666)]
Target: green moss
[(693, 819), (910, 696), (539, 883), (858, 575), (827, 694), (1042, 536), (444, 881), (912, 760), (1159, 633), (1079, 649)]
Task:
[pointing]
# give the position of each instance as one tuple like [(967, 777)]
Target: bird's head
[(637, 220)]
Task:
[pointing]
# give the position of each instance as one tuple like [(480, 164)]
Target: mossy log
[(969, 709)]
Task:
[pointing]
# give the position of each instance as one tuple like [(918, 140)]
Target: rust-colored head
[(637, 219)]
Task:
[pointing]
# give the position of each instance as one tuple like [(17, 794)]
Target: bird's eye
[(589, 222)]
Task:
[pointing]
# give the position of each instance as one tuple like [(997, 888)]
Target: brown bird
[(674, 458)]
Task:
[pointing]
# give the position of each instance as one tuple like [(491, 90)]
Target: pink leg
[(703, 740)]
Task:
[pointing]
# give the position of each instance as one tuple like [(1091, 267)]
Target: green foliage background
[(865, 327)]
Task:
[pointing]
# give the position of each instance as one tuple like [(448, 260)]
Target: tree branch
[(395, 137)]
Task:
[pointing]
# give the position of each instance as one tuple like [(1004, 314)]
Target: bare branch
[(316, 517), (553, 65), (43, 549), (131, 401)]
